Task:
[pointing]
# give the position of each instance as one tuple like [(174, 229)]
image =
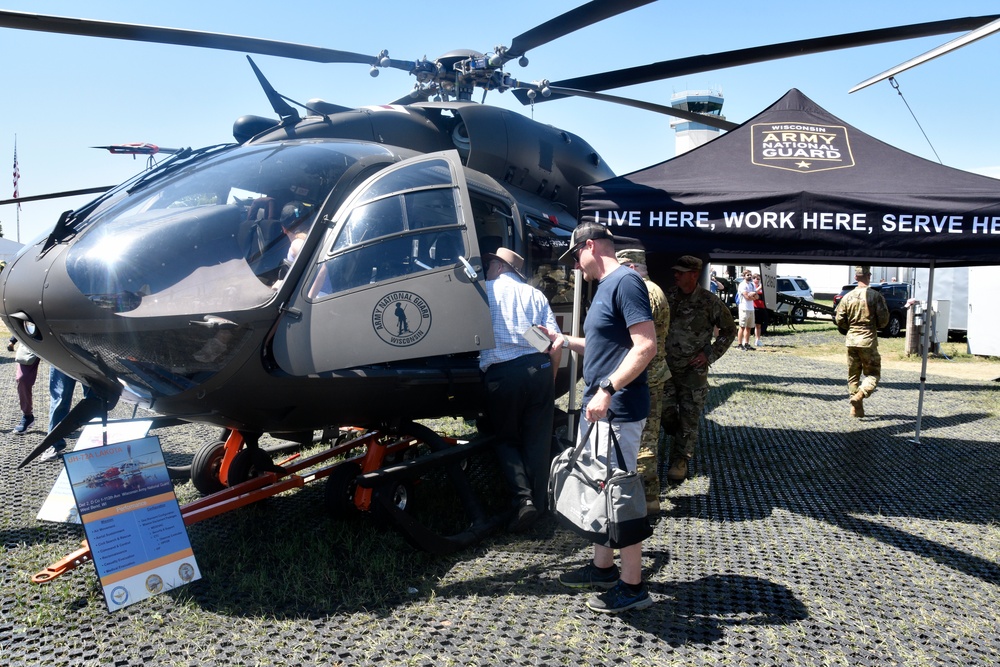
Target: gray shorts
[(629, 436)]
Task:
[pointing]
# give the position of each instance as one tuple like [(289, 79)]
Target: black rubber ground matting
[(803, 537)]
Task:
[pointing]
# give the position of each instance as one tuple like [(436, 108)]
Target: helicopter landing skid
[(377, 489)]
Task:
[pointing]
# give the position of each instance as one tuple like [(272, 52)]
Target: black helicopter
[(327, 269)]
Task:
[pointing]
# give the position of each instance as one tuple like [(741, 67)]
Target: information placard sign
[(60, 505), (132, 520)]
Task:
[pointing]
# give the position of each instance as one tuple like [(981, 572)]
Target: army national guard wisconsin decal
[(801, 147), (401, 318)]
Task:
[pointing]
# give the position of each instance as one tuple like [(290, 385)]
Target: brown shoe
[(857, 405), (678, 471)]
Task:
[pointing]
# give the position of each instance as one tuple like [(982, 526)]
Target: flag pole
[(17, 178)]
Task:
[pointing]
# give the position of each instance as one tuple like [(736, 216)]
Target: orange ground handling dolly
[(375, 473)]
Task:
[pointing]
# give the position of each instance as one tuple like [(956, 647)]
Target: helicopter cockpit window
[(546, 242), (428, 174), (215, 235), (396, 235)]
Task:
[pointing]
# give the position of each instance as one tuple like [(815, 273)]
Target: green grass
[(890, 348)]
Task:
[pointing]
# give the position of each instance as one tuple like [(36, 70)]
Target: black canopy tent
[(797, 183)]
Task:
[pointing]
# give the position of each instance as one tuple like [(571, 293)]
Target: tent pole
[(573, 356), (926, 345)]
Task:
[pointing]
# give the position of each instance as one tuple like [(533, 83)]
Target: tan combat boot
[(857, 405), (653, 509), (646, 466), (678, 471)]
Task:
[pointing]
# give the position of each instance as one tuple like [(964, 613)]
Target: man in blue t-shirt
[(619, 342)]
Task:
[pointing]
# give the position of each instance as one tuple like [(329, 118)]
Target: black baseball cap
[(586, 232)]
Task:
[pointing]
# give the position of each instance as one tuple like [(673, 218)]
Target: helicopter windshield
[(213, 237)]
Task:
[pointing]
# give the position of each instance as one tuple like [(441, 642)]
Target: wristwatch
[(607, 386), (565, 344)]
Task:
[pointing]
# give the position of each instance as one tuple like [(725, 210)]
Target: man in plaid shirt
[(520, 384)]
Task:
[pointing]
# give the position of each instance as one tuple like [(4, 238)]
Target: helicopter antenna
[(278, 100), (285, 111)]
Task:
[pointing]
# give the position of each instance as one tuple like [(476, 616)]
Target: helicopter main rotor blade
[(957, 43), (694, 64), (571, 21), (57, 195), (158, 35), (704, 119)]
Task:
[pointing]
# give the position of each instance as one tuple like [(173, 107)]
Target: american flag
[(17, 177)]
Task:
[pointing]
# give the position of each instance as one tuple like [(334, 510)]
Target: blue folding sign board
[(132, 520)]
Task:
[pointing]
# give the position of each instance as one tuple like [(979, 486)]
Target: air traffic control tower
[(690, 135)]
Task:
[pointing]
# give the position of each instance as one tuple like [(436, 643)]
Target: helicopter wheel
[(340, 486), (448, 515), (205, 468), (402, 496), (247, 464)]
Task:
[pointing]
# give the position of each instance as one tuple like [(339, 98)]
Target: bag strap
[(583, 441), (613, 442)]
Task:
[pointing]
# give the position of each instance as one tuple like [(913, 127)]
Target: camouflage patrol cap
[(862, 270), (631, 256), (688, 263)]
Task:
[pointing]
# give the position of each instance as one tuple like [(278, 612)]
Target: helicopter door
[(398, 276)]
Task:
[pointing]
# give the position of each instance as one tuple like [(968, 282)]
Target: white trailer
[(972, 309), (950, 284)]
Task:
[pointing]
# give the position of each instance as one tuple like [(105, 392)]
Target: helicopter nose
[(35, 281), (22, 281), (148, 308)]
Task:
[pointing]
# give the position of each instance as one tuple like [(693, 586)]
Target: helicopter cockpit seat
[(266, 241), (264, 247), (262, 207)]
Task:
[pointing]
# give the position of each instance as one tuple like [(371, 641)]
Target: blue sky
[(63, 94)]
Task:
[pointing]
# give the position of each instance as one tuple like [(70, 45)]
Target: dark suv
[(896, 295)]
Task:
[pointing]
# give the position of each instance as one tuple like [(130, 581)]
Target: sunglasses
[(577, 249)]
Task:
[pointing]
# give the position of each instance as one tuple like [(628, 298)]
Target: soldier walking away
[(656, 374), (862, 312), (695, 313)]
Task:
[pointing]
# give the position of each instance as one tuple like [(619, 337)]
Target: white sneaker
[(758, 343)]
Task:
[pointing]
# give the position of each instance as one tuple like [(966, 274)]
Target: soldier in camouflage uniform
[(656, 374), (695, 313), (862, 312)]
